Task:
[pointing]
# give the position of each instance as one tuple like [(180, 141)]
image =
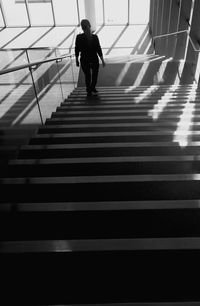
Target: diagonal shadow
[(2, 29), (143, 35), (49, 84), (50, 53), (11, 40), (100, 29), (23, 52), (117, 39), (28, 97)]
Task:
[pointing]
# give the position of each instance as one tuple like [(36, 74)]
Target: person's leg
[(95, 71), (86, 69)]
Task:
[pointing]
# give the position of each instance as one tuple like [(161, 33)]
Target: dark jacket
[(89, 50)]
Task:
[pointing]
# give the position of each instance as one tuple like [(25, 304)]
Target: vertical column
[(161, 43), (151, 12), (192, 56), (182, 39), (90, 13), (173, 27), (159, 17), (185, 14)]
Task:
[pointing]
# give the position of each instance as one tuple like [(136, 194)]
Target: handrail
[(16, 68), (33, 48), (170, 34), (179, 32), (30, 66), (192, 43)]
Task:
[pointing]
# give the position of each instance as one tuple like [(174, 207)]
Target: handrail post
[(36, 95), (34, 87), (59, 76), (72, 71)]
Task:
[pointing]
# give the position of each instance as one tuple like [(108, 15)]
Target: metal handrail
[(37, 63), (30, 66), (169, 34), (33, 48), (192, 43), (179, 32)]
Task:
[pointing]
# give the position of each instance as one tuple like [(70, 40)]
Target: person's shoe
[(94, 91), (89, 94)]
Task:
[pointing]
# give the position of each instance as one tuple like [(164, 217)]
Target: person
[(87, 45)]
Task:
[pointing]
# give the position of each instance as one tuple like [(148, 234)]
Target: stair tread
[(103, 179), (106, 159), (49, 246), (102, 205)]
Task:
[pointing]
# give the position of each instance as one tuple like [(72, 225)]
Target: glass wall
[(70, 12), (15, 13), (65, 12), (139, 14), (116, 12), (40, 13), (2, 24)]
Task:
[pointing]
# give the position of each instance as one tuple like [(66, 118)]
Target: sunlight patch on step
[(159, 76), (143, 70), (182, 134), (162, 103), (146, 93), (180, 72)]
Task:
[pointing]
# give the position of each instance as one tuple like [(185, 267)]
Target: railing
[(177, 33), (169, 48), (40, 84)]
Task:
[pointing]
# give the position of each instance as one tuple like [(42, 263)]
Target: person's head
[(85, 25)]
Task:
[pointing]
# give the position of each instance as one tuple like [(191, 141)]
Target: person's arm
[(99, 51), (102, 59), (77, 50)]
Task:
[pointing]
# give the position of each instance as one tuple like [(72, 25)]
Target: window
[(40, 13), (116, 12), (15, 13), (1, 20), (65, 12), (139, 11), (99, 11)]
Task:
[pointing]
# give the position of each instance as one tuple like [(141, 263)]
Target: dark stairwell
[(102, 205)]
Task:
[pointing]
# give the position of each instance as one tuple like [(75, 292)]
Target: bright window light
[(139, 11), (15, 14), (65, 12), (116, 11), (37, 13), (182, 133), (162, 103)]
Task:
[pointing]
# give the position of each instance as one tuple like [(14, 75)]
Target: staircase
[(102, 205)]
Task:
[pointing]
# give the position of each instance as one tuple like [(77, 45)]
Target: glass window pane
[(1, 20), (29, 37), (65, 12), (131, 36), (139, 11), (108, 35), (8, 34), (15, 13), (99, 11), (40, 13), (57, 37), (116, 11), (81, 6)]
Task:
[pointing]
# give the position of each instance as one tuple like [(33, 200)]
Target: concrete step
[(107, 149), (102, 188), (96, 277), (160, 224), (114, 165)]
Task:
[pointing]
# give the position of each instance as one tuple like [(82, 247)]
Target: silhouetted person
[(88, 46)]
